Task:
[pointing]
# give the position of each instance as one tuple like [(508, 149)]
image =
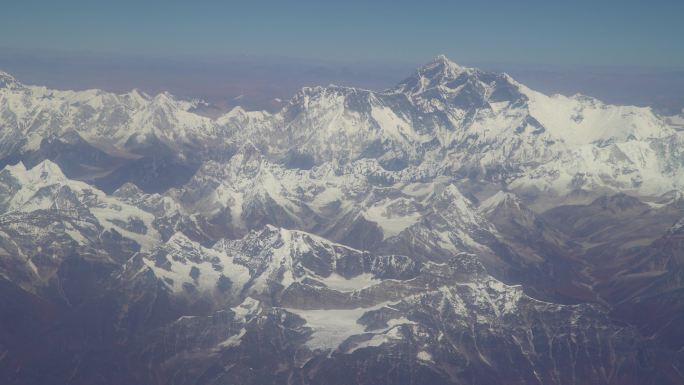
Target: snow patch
[(393, 216), (340, 283), (424, 356), (331, 327)]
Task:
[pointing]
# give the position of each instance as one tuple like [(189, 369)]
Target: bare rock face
[(458, 228)]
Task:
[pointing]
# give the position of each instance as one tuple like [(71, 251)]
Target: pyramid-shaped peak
[(437, 72), (441, 58), (444, 63), (500, 199), (47, 170)]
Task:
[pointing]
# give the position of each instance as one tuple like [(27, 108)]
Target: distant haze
[(256, 82)]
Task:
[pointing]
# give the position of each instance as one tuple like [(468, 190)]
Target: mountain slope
[(456, 228)]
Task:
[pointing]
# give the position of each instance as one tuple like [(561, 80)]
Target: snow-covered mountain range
[(444, 119), (456, 228)]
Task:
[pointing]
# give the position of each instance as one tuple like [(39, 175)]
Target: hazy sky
[(598, 32), (629, 52)]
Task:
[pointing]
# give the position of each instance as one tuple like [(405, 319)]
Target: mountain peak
[(47, 170), (444, 66), (442, 59), (437, 72), (137, 96), (500, 199), (8, 81)]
